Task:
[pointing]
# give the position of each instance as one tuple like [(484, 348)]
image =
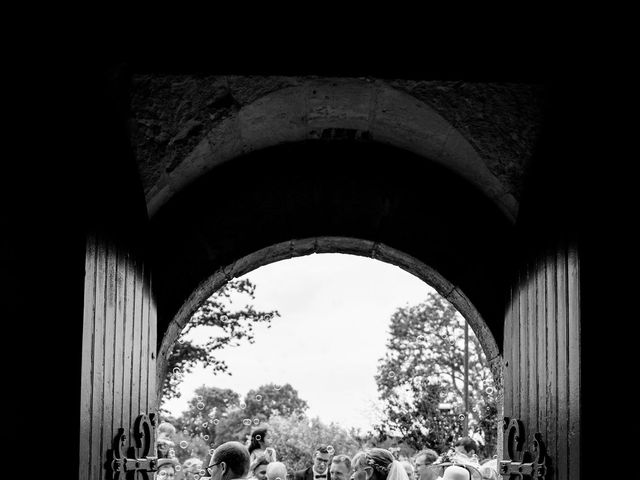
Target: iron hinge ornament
[(137, 461), (533, 464)]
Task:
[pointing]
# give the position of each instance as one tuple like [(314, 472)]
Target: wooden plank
[(552, 357), (508, 353), (515, 358), (144, 343), (532, 360), (541, 347), (523, 350), (137, 338), (153, 322), (97, 361), (130, 288), (118, 399), (109, 350), (573, 314), (562, 319), (87, 356)]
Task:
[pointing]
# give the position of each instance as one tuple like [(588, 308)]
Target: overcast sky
[(335, 312)]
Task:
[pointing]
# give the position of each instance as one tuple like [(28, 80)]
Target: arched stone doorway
[(343, 200), (339, 184)]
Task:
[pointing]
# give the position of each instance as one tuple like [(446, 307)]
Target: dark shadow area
[(347, 189)]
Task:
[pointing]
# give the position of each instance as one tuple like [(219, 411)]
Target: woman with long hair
[(257, 445), (377, 464)]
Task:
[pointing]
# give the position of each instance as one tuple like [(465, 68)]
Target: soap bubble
[(200, 406), (489, 390), (178, 468), (183, 444), (258, 437), (277, 387), (196, 476), (224, 319), (243, 405), (247, 421), (162, 474), (205, 424), (330, 449), (216, 421), (200, 398), (461, 417), (202, 472), (392, 374), (258, 397), (256, 421), (206, 437)]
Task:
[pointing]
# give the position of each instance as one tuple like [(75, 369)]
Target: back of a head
[(235, 456), (429, 455), (454, 472), (381, 461), (468, 443), (276, 470)]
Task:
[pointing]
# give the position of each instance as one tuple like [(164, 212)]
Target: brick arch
[(334, 109), (353, 246)]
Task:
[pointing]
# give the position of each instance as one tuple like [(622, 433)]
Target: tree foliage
[(296, 437), (229, 327), (423, 368)]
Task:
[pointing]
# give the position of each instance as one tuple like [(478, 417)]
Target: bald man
[(230, 461)]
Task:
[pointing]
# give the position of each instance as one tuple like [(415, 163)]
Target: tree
[(296, 437), (206, 409), (423, 368), (257, 407), (231, 326)]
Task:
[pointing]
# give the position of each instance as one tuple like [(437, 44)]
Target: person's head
[(166, 430), (164, 445), (422, 461), (321, 458), (230, 460), (191, 467), (372, 464), (258, 439), (276, 470), (408, 468), (340, 468), (166, 469), (466, 446), (455, 472), (258, 467)]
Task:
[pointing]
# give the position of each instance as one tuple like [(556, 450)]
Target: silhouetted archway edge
[(346, 245)]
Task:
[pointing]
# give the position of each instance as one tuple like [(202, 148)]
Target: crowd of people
[(256, 461)]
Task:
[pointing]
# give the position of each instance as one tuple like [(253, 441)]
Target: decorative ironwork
[(532, 464), (137, 463)]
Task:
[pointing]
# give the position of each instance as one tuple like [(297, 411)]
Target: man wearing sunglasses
[(230, 461)]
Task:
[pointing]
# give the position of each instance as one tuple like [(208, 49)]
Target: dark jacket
[(307, 474)]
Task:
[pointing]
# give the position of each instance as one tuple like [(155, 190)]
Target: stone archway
[(365, 248), (289, 110)]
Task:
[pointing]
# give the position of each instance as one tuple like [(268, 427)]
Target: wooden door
[(119, 345), (542, 358)]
